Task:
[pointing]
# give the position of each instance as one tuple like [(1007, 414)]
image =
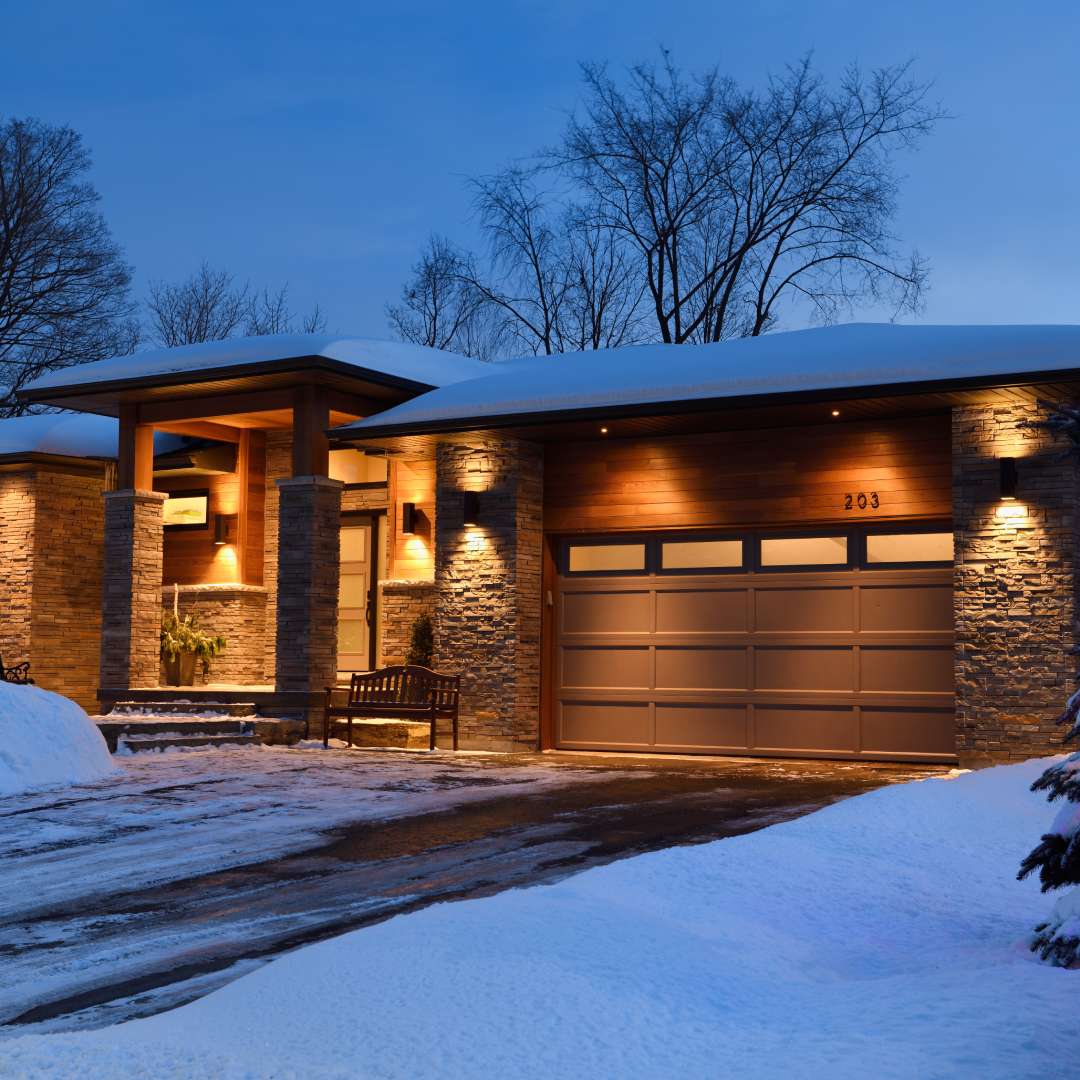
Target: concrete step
[(114, 728), (392, 734), (209, 709), (143, 743)]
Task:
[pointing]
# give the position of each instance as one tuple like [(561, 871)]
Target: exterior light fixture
[(224, 531), (408, 518), (1008, 478), (836, 412), (603, 431), (470, 505)]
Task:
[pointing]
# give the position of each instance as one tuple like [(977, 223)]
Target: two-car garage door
[(836, 644)]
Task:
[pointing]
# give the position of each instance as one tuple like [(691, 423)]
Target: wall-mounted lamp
[(408, 518), (224, 529), (1008, 477), (470, 505)]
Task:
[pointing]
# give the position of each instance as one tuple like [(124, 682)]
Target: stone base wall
[(238, 614), (278, 467), (131, 595), (488, 579), (17, 502), (1015, 586), (309, 571), (401, 603)]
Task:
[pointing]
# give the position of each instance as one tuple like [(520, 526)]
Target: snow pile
[(882, 936), (46, 739)]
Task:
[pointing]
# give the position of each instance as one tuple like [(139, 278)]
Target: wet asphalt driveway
[(139, 893)]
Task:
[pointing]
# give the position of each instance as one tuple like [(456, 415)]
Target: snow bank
[(46, 739), (879, 937)]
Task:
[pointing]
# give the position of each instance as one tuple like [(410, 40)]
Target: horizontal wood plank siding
[(412, 557), (790, 476)]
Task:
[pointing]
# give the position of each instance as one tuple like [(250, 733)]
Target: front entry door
[(356, 607)]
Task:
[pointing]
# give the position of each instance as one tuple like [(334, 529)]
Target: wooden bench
[(398, 693), (20, 673)]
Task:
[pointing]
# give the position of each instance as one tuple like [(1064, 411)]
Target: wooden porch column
[(131, 596)]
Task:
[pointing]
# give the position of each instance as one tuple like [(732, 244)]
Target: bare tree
[(688, 209), (441, 308), (737, 201), (210, 306), (64, 287)]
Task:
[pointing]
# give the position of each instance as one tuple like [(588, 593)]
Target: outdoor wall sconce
[(1009, 478), (470, 504), (224, 529), (408, 518)]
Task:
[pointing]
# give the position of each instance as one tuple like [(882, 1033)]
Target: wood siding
[(190, 555), (786, 476), (412, 558)]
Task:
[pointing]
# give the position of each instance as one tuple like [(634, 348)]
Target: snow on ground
[(879, 937), (46, 740)]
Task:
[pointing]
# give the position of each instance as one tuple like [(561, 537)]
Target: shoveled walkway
[(131, 896)]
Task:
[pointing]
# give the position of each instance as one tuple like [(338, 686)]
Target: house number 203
[(861, 500)]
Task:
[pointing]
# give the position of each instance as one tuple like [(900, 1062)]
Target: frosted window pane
[(353, 545), (909, 547), (804, 551), (594, 558), (688, 554), (353, 590)]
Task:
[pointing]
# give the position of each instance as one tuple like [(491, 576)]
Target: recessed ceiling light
[(836, 412), (603, 431)]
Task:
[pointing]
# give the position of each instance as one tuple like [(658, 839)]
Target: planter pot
[(181, 670)]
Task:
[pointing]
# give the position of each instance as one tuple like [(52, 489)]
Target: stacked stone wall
[(401, 603), (488, 581), (1015, 586), (16, 564), (238, 614)]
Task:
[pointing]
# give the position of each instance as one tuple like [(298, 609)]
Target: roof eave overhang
[(23, 459), (105, 396), (677, 407)]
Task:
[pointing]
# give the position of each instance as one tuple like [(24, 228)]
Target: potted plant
[(421, 642), (183, 642)]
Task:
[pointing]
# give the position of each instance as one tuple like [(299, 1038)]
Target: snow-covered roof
[(65, 434), (855, 355), (397, 359)]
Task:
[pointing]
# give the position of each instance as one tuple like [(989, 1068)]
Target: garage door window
[(701, 555), (804, 551), (906, 548), (606, 558)]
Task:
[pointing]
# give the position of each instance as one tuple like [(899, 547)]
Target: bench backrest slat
[(404, 685)]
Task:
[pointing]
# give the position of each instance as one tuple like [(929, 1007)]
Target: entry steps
[(139, 727)]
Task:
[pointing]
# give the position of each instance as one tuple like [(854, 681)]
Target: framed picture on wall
[(188, 510)]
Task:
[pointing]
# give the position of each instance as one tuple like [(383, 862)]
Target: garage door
[(837, 644)]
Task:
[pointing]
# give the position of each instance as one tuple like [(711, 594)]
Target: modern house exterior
[(837, 543)]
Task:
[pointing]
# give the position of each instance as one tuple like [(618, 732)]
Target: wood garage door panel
[(607, 612), (610, 668), (833, 663), (801, 727), (702, 669), (701, 611), (701, 726), (804, 609), (594, 724)]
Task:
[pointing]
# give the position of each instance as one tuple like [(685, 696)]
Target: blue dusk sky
[(319, 144)]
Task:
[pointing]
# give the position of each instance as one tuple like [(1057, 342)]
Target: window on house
[(920, 547), (701, 554), (605, 558), (804, 551)]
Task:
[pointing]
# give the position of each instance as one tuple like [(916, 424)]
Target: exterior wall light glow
[(470, 504), (224, 529), (408, 518), (1009, 479)]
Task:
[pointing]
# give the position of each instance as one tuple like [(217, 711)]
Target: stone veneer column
[(308, 572), (488, 580), (1015, 600), (131, 601)]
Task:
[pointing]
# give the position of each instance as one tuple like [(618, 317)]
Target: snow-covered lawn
[(879, 937)]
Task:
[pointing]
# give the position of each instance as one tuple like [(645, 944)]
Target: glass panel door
[(355, 604)]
